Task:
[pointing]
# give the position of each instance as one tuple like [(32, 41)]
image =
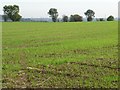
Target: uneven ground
[(62, 55)]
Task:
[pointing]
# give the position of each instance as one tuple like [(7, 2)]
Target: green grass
[(66, 54)]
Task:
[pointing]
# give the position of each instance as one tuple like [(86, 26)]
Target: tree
[(76, 18), (110, 18), (100, 19), (54, 14), (72, 18), (16, 17), (89, 14), (65, 18), (12, 12), (5, 17)]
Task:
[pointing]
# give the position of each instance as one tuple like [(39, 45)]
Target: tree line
[(12, 12)]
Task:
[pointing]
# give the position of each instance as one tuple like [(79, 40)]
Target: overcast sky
[(39, 8)]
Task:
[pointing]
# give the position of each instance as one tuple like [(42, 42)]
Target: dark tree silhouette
[(65, 18), (110, 18), (12, 12), (54, 14), (89, 14), (76, 18)]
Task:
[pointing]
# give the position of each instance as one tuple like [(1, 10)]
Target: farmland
[(72, 55)]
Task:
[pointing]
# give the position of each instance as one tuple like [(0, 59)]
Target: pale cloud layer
[(39, 8)]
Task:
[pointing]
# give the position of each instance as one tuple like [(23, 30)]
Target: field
[(66, 55)]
